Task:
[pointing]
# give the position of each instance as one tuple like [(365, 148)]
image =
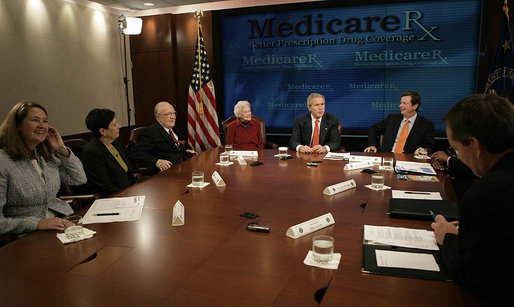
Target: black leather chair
[(268, 145)]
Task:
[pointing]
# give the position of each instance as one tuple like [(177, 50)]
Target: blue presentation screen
[(361, 58)]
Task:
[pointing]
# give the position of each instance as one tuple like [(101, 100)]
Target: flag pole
[(198, 16)]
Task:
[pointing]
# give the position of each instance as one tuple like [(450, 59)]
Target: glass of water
[(282, 153), (224, 158), (228, 148), (197, 178), (377, 180), (387, 163), (322, 248), (73, 227)]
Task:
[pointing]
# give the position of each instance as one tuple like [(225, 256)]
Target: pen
[(432, 214), (106, 214), (424, 193)]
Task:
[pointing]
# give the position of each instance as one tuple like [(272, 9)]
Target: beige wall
[(62, 55)]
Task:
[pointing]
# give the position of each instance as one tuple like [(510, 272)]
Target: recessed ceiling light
[(149, 4)]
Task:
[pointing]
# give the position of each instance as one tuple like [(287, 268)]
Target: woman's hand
[(53, 223), (56, 142)]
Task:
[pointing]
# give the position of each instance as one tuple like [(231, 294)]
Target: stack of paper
[(119, 209), (414, 167), (337, 156), (399, 236)]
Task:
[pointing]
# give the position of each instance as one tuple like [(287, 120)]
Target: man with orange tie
[(407, 132), (317, 131)]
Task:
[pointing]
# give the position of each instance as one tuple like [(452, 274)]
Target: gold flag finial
[(198, 14)]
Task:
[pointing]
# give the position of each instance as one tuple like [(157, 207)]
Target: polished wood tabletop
[(213, 259)]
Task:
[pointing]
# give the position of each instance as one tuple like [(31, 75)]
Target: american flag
[(202, 120)]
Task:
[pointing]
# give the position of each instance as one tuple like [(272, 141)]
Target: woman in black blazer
[(107, 167)]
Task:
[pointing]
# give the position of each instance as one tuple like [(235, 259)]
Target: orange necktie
[(315, 135), (402, 138)]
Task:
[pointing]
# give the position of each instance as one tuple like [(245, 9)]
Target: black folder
[(369, 263), (419, 209)]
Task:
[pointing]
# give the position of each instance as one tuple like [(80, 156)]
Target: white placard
[(340, 187), (365, 159), (178, 214), (337, 156), (358, 165), (244, 153), (218, 180), (310, 226), (241, 160)]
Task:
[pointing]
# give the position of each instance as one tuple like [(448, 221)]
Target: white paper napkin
[(201, 186), (86, 234), (369, 186), (277, 155), (229, 163), (382, 168), (333, 265)]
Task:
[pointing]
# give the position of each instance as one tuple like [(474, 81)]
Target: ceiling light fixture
[(149, 4)]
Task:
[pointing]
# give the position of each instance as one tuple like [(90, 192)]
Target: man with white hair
[(317, 131), (159, 146)]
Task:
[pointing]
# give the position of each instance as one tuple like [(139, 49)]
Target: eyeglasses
[(168, 114)]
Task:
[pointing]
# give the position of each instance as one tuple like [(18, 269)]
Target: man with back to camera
[(476, 251), (159, 146), (407, 132), (317, 131)]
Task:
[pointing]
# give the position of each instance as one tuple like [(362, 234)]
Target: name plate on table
[(310, 226), (218, 180), (179, 218), (337, 156), (365, 159), (244, 153), (340, 187), (241, 160), (358, 165)]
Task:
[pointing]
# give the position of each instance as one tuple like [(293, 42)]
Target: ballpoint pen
[(424, 193), (106, 214), (432, 214)]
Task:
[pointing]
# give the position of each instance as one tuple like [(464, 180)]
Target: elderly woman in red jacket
[(244, 132)]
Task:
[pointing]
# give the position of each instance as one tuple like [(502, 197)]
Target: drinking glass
[(224, 158), (377, 180), (387, 163), (73, 227), (197, 178), (322, 248), (282, 152), (228, 148)]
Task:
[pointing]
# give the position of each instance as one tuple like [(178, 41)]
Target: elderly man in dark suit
[(407, 132), (317, 131), (160, 146)]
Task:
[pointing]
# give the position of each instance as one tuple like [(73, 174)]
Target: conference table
[(213, 259)]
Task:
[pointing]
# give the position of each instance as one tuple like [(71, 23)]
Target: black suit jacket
[(328, 134), (155, 143), (421, 135), (479, 257), (104, 173)]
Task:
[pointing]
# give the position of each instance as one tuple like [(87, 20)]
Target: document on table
[(414, 167), (416, 195), (399, 236), (417, 261), (337, 156), (120, 209)]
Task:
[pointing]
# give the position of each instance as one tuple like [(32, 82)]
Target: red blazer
[(249, 137)]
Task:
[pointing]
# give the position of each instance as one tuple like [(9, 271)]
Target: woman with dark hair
[(33, 162), (107, 168)]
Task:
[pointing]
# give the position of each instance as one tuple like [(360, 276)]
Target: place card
[(340, 187), (358, 165), (365, 159), (178, 214), (241, 160), (310, 226), (337, 156), (244, 153), (218, 180)]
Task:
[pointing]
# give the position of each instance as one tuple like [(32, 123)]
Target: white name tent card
[(310, 226), (365, 159), (244, 153), (340, 187), (358, 165), (241, 160), (179, 218), (218, 180)]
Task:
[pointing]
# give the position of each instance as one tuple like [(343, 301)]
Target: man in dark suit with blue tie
[(407, 132), (317, 131), (159, 146)]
